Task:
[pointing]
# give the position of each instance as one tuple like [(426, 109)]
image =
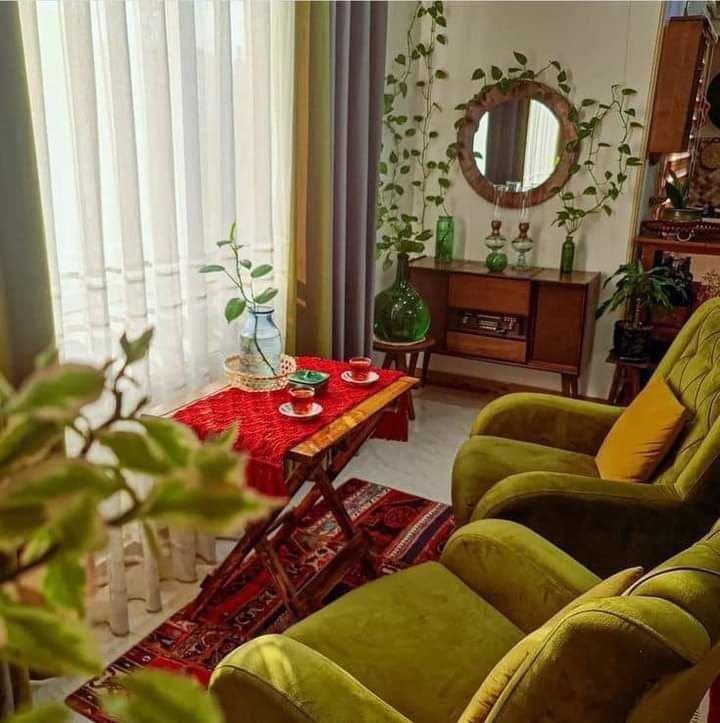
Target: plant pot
[(401, 315), (632, 343), (681, 214)]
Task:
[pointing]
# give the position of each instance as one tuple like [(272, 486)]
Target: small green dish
[(309, 378)]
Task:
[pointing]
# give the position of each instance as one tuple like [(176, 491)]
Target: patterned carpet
[(239, 601)]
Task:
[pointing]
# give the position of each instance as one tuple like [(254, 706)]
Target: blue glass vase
[(261, 344)]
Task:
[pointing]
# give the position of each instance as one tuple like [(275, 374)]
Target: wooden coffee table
[(319, 459)]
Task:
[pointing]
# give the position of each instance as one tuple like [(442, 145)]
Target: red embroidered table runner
[(267, 435)]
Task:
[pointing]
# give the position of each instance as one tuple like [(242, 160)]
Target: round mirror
[(517, 140)]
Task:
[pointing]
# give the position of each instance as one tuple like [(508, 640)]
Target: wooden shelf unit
[(555, 311)]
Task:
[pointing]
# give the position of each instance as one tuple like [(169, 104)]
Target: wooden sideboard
[(547, 318)]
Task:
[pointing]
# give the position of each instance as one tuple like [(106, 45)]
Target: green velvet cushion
[(419, 639), (483, 461)]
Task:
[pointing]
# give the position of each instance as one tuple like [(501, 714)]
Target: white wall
[(601, 43)]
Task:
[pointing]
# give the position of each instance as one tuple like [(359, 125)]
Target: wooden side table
[(396, 355), (628, 379)]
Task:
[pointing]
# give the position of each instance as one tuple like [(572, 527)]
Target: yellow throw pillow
[(642, 435), (492, 687)]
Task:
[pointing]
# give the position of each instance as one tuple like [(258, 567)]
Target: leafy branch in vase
[(409, 153), (248, 298)]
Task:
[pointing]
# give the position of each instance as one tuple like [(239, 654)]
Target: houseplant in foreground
[(639, 290), (410, 170), (260, 341), (50, 518)]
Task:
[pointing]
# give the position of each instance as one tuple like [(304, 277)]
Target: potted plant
[(640, 291), (260, 340), (676, 192), (410, 172)]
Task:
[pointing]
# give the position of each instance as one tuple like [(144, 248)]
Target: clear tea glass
[(301, 399), (360, 367)]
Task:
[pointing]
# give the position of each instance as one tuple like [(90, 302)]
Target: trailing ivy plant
[(596, 149), (50, 519), (411, 163), (243, 273)]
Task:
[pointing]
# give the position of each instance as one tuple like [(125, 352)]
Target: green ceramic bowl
[(309, 378)]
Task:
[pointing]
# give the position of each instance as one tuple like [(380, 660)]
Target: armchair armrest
[(571, 424), (275, 679), (519, 573), (605, 524)]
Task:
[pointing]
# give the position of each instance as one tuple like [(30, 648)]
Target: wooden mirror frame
[(476, 109)]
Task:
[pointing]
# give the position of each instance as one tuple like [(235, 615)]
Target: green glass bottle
[(401, 314), (567, 257), (444, 238)]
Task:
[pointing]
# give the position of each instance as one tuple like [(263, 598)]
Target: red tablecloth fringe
[(267, 436)]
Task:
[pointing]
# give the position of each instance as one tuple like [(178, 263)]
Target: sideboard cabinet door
[(558, 325)]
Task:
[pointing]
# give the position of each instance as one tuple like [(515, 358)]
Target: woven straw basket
[(251, 382)]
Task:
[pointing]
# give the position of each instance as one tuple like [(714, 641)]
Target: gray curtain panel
[(358, 33), (26, 323)]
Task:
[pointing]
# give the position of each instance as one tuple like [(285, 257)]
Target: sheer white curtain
[(157, 124), (541, 145)]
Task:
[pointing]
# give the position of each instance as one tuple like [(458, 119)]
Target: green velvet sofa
[(531, 458), (420, 645)]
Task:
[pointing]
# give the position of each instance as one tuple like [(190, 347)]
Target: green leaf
[(44, 640), (211, 268), (58, 392), (18, 523), (134, 451), (588, 102), (478, 74), (496, 73), (214, 509), (234, 308), (79, 526), (442, 39), (400, 59), (562, 76), (245, 263), (63, 583), (156, 695), (590, 191), (629, 91), (264, 296), (49, 713), (441, 21), (233, 228), (6, 390), (607, 210), (25, 439), (58, 477), (424, 235), (442, 74), (224, 242), (261, 270), (176, 440), (137, 348), (522, 59)]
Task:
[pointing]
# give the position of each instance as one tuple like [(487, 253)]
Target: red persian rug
[(405, 530)]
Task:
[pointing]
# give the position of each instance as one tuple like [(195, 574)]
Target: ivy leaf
[(607, 210), (234, 308), (562, 76), (478, 74), (134, 451), (262, 270), (156, 695), (211, 268), (245, 263), (264, 296), (590, 191), (400, 59), (50, 713), (442, 39), (224, 242), (496, 73), (588, 102), (629, 91), (425, 235), (43, 639), (522, 59), (58, 392), (441, 21), (442, 74), (63, 583)]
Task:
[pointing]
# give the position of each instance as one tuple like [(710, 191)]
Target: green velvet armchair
[(491, 634), (530, 458)]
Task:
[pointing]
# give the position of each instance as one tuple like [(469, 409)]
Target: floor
[(420, 466)]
